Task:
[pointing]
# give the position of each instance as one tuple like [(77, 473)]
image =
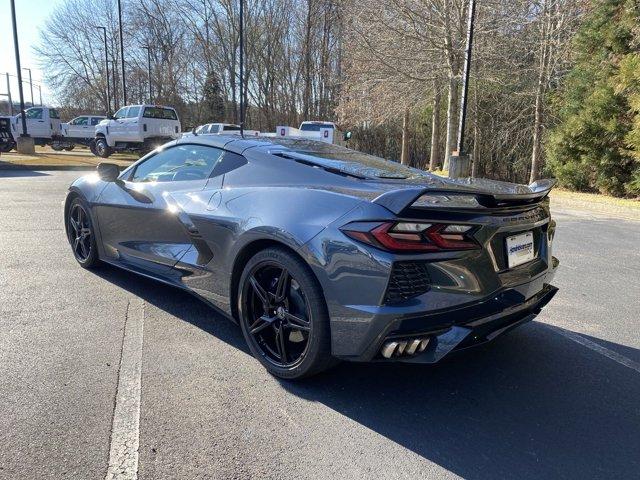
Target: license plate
[(520, 249)]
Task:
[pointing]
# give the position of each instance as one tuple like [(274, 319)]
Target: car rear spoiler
[(465, 197)]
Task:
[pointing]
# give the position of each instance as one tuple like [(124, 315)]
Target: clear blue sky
[(30, 15)]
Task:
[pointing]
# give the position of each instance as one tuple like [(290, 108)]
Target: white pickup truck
[(81, 130), (43, 125), (136, 128)]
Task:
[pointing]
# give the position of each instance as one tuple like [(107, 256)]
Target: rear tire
[(283, 315), (102, 149)]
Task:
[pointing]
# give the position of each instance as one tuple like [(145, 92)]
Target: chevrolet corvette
[(322, 253)]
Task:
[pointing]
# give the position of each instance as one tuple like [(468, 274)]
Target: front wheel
[(102, 149), (283, 315), (81, 235)]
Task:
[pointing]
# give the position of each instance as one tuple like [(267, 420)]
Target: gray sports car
[(320, 252)]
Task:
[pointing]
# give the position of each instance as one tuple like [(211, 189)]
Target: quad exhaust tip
[(407, 347)]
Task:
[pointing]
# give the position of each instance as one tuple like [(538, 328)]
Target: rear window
[(160, 112), (314, 127), (53, 113), (348, 161)]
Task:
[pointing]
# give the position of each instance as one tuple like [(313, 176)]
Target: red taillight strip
[(448, 241), (381, 234), (431, 240)]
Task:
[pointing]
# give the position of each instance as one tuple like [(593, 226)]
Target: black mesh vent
[(408, 280)]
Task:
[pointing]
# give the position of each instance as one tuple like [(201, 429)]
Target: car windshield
[(314, 127), (160, 112), (349, 161)]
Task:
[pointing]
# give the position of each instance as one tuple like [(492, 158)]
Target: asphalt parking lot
[(557, 398)]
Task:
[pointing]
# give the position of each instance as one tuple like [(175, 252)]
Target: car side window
[(34, 113), (95, 120), (179, 163), (133, 112), (81, 121), (122, 113)]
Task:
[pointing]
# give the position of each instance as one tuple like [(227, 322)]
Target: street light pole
[(40, 93), (106, 66), (241, 68), (124, 81), (30, 84), (148, 49), (18, 68)]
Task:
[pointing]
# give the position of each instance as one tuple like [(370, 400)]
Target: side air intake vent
[(408, 280)]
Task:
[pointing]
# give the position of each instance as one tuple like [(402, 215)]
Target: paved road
[(557, 398)]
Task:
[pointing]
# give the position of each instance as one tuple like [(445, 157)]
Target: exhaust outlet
[(405, 347), (388, 349)]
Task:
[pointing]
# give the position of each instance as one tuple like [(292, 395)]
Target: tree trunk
[(540, 91), (537, 131), (452, 102), (404, 158), (435, 130), (307, 65)]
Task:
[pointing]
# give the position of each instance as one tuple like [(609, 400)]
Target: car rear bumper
[(447, 329)]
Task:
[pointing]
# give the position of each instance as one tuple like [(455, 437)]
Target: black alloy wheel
[(283, 316), (80, 233)]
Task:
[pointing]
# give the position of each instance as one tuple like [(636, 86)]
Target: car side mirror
[(346, 136), (108, 172)]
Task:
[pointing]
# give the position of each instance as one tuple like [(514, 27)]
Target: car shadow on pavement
[(178, 303), (532, 404)]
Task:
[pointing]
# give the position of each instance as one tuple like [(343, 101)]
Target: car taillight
[(413, 236)]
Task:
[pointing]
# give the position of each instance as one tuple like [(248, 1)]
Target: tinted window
[(133, 112), (80, 121), (122, 113), (347, 160), (182, 162), (35, 113), (53, 113), (96, 120), (160, 112), (231, 128), (314, 127)]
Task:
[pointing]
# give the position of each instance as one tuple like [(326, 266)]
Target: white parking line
[(125, 429), (616, 357)]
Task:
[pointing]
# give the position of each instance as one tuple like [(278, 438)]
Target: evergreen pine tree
[(596, 144)]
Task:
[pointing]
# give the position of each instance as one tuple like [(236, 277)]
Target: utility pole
[(106, 66), (461, 163), (148, 49), (241, 68), (124, 80), (30, 85), (24, 142), (40, 93)]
